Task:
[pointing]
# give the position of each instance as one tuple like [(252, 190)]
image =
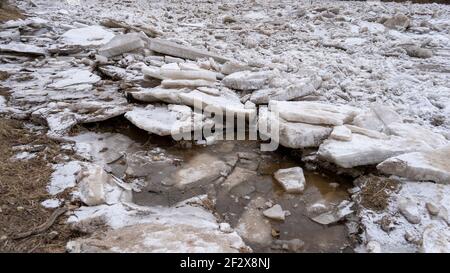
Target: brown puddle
[(231, 204)]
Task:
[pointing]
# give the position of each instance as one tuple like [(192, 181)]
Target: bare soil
[(375, 191), (22, 189), (8, 12)]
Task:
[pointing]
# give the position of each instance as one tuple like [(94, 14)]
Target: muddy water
[(149, 160)]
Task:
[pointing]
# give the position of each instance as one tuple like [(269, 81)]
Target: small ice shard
[(51, 203), (409, 209), (341, 133), (335, 215), (275, 212), (292, 180)]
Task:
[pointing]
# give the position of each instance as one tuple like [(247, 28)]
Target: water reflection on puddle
[(147, 161)]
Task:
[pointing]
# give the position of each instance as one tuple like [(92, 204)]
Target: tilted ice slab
[(21, 48), (182, 228), (313, 112), (298, 89), (166, 120), (247, 80), (158, 94), (122, 43), (364, 150), (61, 116), (173, 49), (87, 36), (417, 132), (433, 165), (227, 102), (73, 77), (291, 134)]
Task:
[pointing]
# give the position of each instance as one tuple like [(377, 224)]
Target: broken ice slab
[(35, 22), (63, 177), (247, 80), (298, 89), (201, 169), (97, 187), (418, 133), (342, 133), (73, 77), (369, 120), (313, 112), (252, 225), (227, 102), (186, 83), (200, 74), (23, 49), (87, 36), (335, 215), (291, 134), (386, 114), (292, 179), (148, 30), (233, 66), (122, 43), (62, 116), (181, 228), (237, 178), (173, 71), (166, 120), (425, 166), (275, 212), (158, 94), (160, 237), (173, 49), (364, 131), (364, 150)]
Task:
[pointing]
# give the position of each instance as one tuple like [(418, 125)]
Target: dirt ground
[(8, 12), (375, 191), (22, 189)]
